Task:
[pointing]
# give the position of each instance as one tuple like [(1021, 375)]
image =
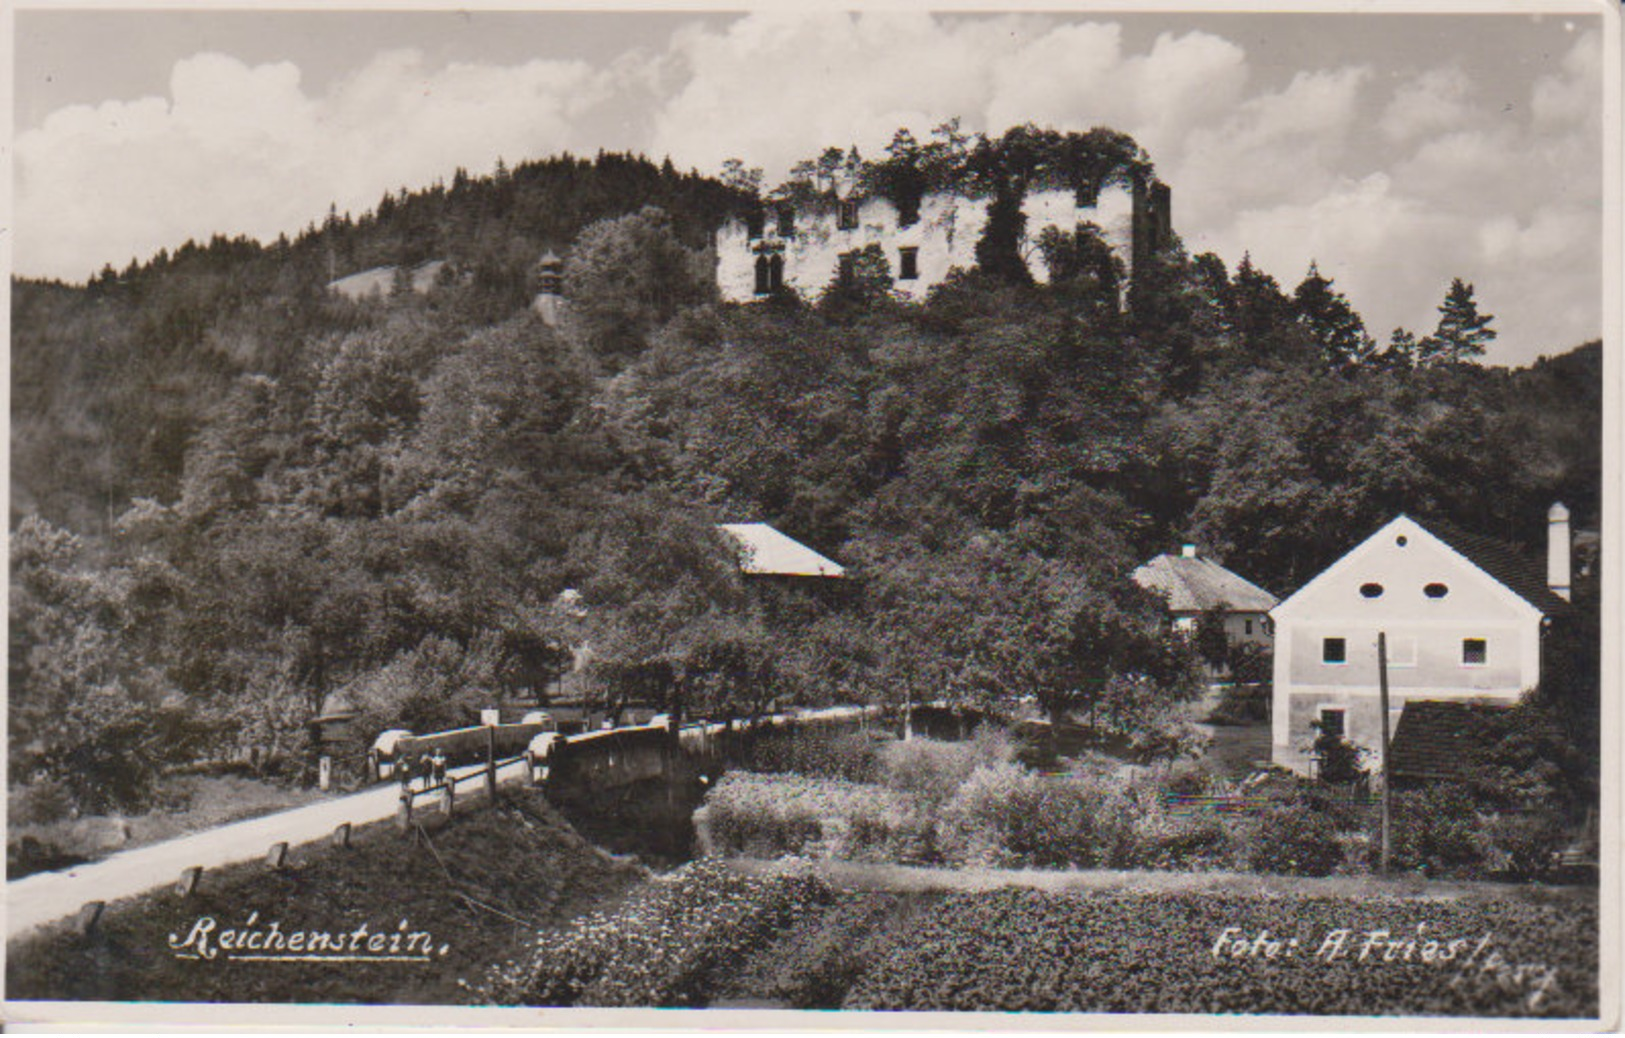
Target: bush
[(772, 816), (935, 770), (1242, 704), (1522, 846), (1254, 665), (1435, 831), (1006, 816), (1291, 838)]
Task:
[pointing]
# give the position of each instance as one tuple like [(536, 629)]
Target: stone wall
[(946, 234)]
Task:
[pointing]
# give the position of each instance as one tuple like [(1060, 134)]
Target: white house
[(1463, 616), (1193, 584)]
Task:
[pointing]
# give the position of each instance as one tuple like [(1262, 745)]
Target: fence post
[(451, 795), (324, 773), (403, 816), (89, 915), (491, 762), (189, 880), (277, 856), (341, 835)]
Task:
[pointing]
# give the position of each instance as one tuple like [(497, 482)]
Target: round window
[(1436, 590), (1371, 590), (1402, 540)]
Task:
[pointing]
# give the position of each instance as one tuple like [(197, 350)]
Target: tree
[(1331, 322), (1400, 354), (1211, 640), (627, 276), (738, 177), (661, 590), (1462, 332)]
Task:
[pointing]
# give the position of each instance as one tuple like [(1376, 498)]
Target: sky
[(1396, 151)]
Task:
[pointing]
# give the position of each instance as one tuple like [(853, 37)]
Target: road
[(47, 896)]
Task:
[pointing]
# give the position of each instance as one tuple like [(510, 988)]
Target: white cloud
[(1573, 94), (1435, 100), (236, 149)]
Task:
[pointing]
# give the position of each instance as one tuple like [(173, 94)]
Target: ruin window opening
[(908, 210), (775, 273), (754, 224), (764, 274), (908, 264), (847, 217), (787, 222)]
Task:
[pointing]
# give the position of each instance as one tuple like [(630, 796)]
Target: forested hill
[(235, 494)]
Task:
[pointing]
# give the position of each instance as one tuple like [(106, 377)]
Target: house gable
[(1405, 574)]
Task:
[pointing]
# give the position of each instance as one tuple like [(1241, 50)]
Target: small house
[(1462, 615), (1193, 584)]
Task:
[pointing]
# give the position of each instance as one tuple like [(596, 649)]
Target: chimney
[(1557, 550), (1188, 551)]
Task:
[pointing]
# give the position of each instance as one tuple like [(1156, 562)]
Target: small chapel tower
[(549, 301)]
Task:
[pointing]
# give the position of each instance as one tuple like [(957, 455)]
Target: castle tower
[(549, 302)]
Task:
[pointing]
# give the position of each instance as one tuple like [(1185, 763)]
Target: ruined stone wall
[(945, 236)]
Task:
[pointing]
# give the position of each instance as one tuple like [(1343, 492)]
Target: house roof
[(1195, 584), (1501, 561), (768, 552), (1435, 739)]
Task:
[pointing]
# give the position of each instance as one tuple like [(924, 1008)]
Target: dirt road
[(47, 896)]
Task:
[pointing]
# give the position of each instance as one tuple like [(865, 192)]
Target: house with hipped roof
[(1463, 618), (1192, 584)]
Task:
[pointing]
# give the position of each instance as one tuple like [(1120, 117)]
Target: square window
[(1334, 650), (847, 219), (1475, 652), (908, 264), (754, 222), (1249, 625), (1332, 722), (1088, 194), (787, 222)]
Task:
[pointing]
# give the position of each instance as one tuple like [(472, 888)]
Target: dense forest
[(235, 493)]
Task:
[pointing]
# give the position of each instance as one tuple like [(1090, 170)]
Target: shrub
[(1005, 815), (1522, 846), (772, 816), (1435, 831), (1292, 838), (935, 770), (1253, 665), (1242, 704)]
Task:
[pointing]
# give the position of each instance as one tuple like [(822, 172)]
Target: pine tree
[(1400, 355), (1331, 321), (1462, 332)]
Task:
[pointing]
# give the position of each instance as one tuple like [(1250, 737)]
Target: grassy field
[(480, 886)]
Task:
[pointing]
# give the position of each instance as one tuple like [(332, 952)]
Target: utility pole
[(1382, 685)]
